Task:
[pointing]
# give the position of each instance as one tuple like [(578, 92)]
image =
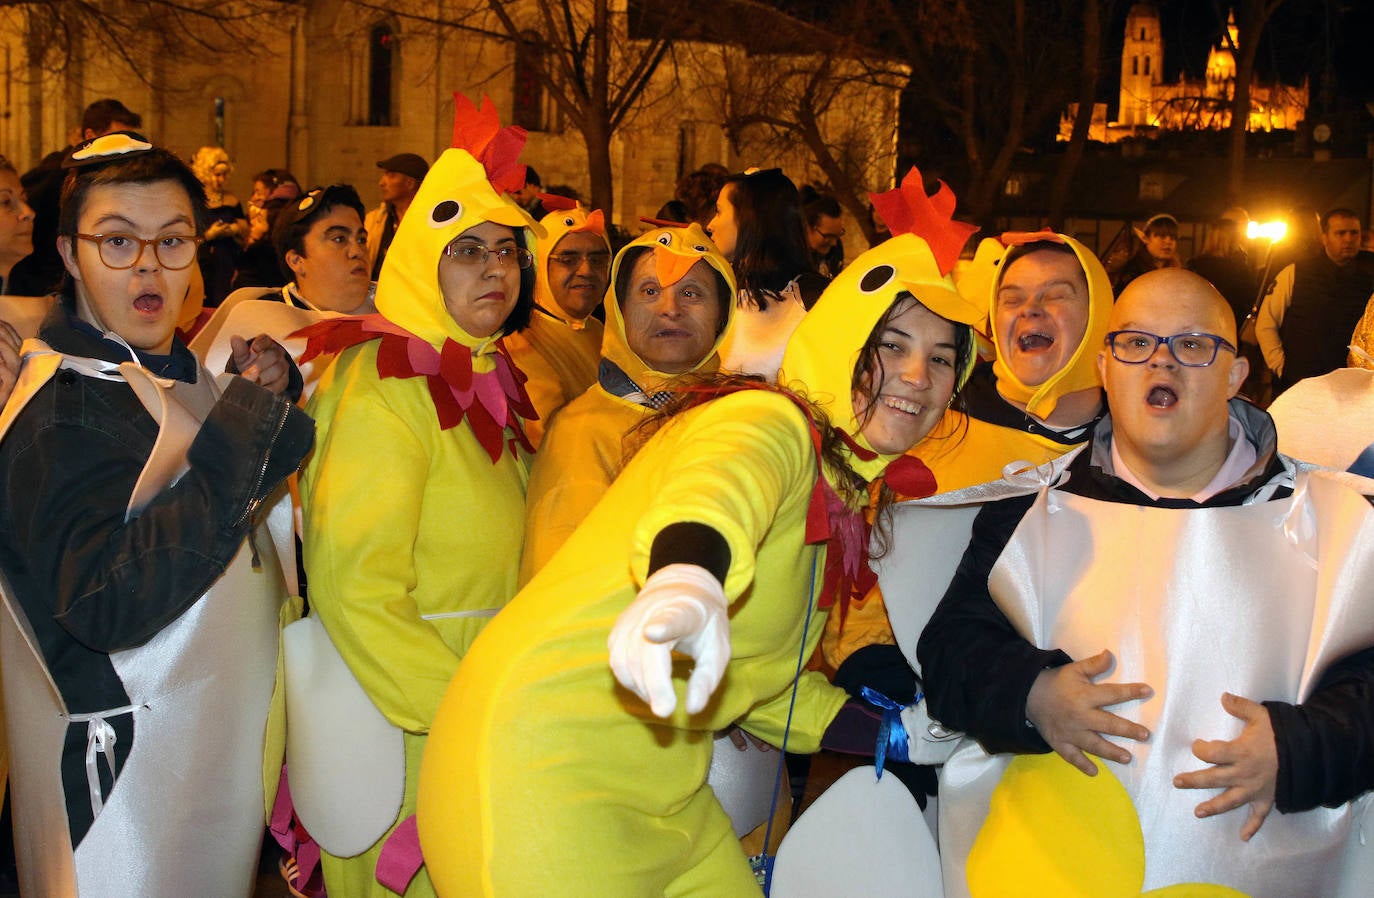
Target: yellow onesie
[(412, 519), (585, 450)]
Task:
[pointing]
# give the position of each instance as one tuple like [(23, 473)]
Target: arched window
[(531, 102), (382, 66)]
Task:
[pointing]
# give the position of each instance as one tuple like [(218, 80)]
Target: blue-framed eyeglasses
[(1189, 350)]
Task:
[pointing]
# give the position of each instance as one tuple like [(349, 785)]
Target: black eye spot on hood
[(445, 212), (665, 239), (876, 278)]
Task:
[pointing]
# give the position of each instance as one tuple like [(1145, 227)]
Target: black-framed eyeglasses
[(599, 260), (477, 254), (123, 251), (828, 236), (1189, 350)]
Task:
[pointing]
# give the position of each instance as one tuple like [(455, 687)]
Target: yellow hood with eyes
[(820, 357), (1081, 371), (676, 251), (453, 197), (557, 225)]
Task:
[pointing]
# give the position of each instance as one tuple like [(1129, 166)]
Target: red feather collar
[(490, 401)]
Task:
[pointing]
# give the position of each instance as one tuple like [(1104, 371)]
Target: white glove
[(680, 607), (927, 741)]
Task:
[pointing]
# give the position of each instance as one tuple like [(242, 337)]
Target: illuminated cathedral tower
[(1142, 57), (1149, 104)]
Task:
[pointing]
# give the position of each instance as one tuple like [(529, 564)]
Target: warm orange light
[(1272, 231)]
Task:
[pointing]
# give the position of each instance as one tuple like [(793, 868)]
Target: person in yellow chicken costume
[(543, 776), (1047, 299), (419, 437), (585, 450), (560, 349)]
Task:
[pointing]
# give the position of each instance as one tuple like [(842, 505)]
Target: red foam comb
[(1021, 238), (556, 202), (479, 131), (907, 210), (663, 222)]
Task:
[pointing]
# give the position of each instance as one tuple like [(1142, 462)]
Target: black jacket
[(978, 670)]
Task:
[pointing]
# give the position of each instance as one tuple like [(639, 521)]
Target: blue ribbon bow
[(892, 735)]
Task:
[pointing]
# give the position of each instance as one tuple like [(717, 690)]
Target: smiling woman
[(569, 734)]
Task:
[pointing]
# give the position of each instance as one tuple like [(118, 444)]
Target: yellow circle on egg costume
[(1053, 832)]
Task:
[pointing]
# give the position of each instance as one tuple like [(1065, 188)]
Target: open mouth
[(1161, 397), (902, 405), (1034, 342), (148, 303)]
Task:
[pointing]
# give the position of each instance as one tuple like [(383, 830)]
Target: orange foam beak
[(672, 267)]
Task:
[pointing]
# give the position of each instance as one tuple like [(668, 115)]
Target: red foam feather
[(908, 210), (455, 365), (910, 478), (556, 202), (479, 131)]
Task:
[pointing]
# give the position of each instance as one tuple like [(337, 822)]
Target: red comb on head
[(556, 202), (907, 210), (663, 222), (1021, 238), (479, 132)]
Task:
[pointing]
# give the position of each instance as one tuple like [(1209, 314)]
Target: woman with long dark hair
[(760, 228)]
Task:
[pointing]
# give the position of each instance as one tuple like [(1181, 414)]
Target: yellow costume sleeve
[(362, 492), (582, 453), (818, 701), (750, 455)]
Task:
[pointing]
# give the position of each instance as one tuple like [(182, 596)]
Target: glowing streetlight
[(1272, 231)]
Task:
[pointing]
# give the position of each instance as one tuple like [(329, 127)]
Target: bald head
[(1174, 293), (1170, 419)]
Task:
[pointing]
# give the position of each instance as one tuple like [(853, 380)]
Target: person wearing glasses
[(135, 482), (1148, 618), (824, 230), (558, 353), (414, 499)]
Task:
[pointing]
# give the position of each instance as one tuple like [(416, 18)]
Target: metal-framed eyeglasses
[(1189, 350), (123, 251), (477, 254), (599, 260)]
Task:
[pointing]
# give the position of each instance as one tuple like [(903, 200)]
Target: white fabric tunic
[(1256, 600)]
